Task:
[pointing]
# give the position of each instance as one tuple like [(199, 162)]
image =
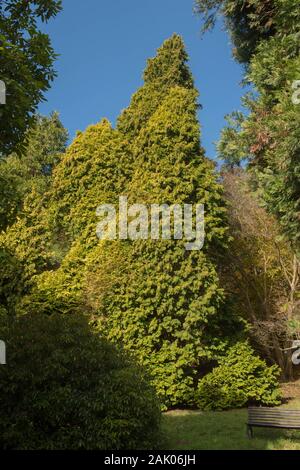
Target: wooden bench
[(272, 418)]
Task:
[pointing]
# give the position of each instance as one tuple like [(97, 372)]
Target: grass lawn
[(224, 430)]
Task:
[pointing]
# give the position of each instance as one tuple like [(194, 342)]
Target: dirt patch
[(291, 390)]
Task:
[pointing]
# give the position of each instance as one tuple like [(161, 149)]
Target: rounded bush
[(241, 379), (65, 388)]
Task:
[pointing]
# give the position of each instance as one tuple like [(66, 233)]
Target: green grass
[(223, 430)]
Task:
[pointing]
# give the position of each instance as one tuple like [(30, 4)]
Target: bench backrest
[(274, 417)]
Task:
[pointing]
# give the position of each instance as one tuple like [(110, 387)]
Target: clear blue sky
[(103, 47)]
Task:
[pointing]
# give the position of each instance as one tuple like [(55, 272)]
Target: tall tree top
[(166, 70), (170, 64)]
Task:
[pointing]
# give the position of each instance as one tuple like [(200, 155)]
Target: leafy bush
[(240, 379), (65, 388)]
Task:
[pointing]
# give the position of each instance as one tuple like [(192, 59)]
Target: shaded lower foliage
[(240, 379), (66, 388)]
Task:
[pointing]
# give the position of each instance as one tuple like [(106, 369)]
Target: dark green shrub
[(241, 378), (65, 388)]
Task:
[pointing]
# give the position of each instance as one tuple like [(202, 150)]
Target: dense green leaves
[(269, 137), (248, 21), (94, 170), (162, 303), (26, 66), (240, 379), (32, 170), (64, 387), (153, 297), (165, 71), (260, 271), (25, 245)]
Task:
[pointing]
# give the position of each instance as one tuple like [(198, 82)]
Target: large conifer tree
[(159, 300)]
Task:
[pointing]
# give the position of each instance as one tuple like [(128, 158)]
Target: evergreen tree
[(25, 247), (168, 69), (58, 231), (94, 170), (46, 141), (159, 300)]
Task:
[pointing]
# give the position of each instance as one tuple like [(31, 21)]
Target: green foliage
[(58, 230), (94, 170), (273, 128), (46, 142), (165, 71), (269, 137), (10, 197), (259, 270), (248, 21), (163, 306), (64, 387), (11, 280), (229, 147), (26, 246), (26, 64), (162, 302), (32, 170), (240, 379)]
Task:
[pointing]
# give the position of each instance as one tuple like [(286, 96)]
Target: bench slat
[(285, 423), (270, 410), (297, 413), (272, 418), (262, 413), (260, 425), (269, 413), (296, 418)]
